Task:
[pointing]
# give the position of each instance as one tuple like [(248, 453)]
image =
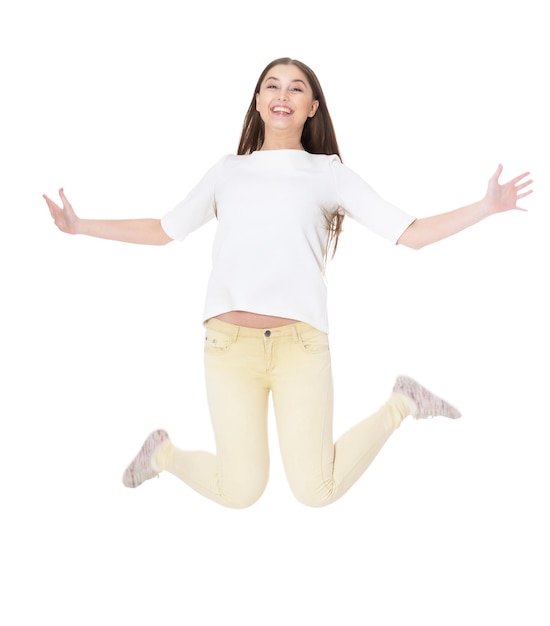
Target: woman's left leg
[(320, 471)]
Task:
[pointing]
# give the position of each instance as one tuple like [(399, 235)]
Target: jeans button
[(267, 333)]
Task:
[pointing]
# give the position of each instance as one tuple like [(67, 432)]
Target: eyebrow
[(294, 80)]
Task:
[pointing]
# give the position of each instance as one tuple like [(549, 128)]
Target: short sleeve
[(196, 209), (361, 202)]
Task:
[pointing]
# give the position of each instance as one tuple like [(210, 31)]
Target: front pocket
[(216, 342), (313, 341)]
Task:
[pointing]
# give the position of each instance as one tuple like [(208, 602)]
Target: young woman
[(279, 204)]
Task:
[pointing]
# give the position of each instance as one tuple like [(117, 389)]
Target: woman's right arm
[(142, 231)]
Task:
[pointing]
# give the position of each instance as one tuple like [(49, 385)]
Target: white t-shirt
[(268, 252)]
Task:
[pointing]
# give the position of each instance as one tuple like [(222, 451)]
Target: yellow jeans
[(243, 366)]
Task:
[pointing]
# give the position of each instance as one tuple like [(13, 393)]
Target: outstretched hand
[(64, 216), (505, 196)]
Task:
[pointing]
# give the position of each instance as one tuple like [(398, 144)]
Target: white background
[(125, 104)]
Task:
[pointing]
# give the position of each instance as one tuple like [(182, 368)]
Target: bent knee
[(315, 497), (242, 496), (240, 501)]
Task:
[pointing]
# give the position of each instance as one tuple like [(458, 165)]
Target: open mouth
[(281, 110)]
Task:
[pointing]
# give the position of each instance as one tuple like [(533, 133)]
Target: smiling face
[(285, 101)]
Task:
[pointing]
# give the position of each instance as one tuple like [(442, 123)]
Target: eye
[(298, 89), (271, 86)]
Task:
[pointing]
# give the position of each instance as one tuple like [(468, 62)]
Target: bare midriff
[(253, 320)]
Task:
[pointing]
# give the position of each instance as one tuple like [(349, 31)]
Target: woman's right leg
[(237, 474)]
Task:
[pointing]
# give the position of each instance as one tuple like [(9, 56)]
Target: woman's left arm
[(498, 199)]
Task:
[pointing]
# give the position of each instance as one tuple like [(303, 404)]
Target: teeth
[(281, 109)]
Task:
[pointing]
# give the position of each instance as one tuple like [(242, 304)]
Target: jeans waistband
[(288, 330)]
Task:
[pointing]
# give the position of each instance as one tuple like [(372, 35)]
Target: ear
[(314, 107), (257, 96)]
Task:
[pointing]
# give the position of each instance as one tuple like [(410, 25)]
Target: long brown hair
[(318, 137)]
